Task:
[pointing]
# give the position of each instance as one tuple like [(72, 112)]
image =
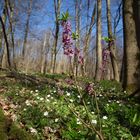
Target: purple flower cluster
[(67, 40), (89, 88)]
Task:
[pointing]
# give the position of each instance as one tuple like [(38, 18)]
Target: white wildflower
[(27, 102), (94, 121), (41, 99), (46, 113), (78, 121), (38, 97), (56, 120), (109, 101), (36, 94), (71, 100), (48, 95), (36, 90), (33, 130), (105, 117), (31, 91), (117, 102), (68, 94), (24, 109), (79, 96), (47, 100)]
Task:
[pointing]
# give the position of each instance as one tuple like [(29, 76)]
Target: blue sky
[(43, 18)]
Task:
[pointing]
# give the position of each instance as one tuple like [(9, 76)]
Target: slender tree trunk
[(77, 30), (43, 63), (98, 43), (88, 35), (10, 15), (131, 50), (57, 13), (112, 48), (27, 28), (6, 42), (1, 47)]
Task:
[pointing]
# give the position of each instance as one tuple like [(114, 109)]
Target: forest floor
[(56, 107)]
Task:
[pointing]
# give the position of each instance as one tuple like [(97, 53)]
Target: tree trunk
[(57, 13), (98, 43), (131, 50), (112, 48), (10, 12), (77, 30), (43, 63), (6, 42), (87, 42), (27, 28)]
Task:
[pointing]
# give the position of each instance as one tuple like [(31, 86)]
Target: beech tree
[(112, 47), (131, 49)]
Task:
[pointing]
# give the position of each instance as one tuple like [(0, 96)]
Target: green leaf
[(75, 36), (135, 117)]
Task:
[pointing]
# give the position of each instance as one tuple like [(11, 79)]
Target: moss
[(131, 88)]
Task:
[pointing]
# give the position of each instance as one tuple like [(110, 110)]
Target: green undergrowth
[(57, 111), (10, 131)]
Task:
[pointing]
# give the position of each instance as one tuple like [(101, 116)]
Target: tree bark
[(87, 41), (6, 42), (27, 28), (98, 43), (9, 16), (77, 30), (131, 50), (57, 13), (113, 47)]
